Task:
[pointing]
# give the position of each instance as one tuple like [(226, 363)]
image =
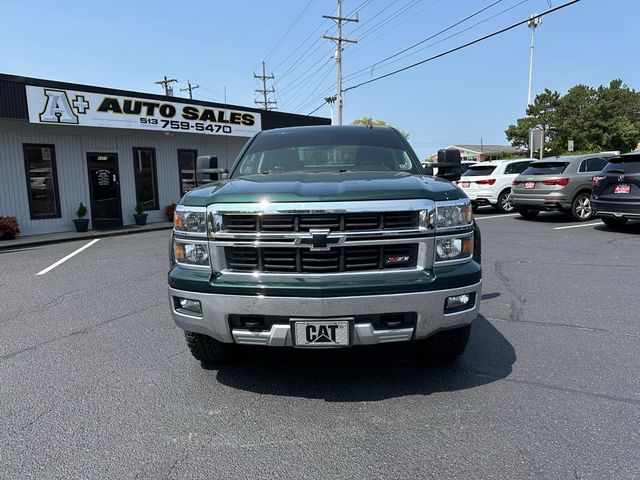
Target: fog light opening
[(188, 306), (459, 302)]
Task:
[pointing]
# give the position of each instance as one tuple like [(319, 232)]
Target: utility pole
[(533, 23), (331, 101), (338, 55), (166, 84), (265, 102), (190, 88)]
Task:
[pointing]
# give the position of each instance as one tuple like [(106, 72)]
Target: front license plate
[(329, 333), (465, 184), (623, 189), (529, 184)]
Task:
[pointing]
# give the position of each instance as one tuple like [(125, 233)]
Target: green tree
[(606, 118), (377, 123)]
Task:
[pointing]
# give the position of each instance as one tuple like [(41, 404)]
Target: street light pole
[(533, 23)]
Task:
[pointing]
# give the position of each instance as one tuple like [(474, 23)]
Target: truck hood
[(323, 187)]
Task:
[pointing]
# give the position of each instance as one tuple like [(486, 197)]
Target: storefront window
[(144, 165), (187, 166), (42, 184)]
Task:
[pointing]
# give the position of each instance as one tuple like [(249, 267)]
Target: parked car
[(558, 183), (489, 183), (616, 191)]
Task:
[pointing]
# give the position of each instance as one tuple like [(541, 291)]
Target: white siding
[(71, 146)]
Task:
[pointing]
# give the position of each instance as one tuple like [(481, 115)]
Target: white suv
[(489, 183)]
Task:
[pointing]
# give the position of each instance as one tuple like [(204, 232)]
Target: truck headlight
[(454, 214), (191, 253), (454, 248), (190, 220)]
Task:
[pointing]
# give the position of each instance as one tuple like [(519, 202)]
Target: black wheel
[(581, 208), (505, 205), (447, 344), (613, 222), (210, 352), (526, 213)]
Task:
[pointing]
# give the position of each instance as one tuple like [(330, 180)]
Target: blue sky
[(461, 98)]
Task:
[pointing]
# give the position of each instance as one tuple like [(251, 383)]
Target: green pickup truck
[(325, 237)]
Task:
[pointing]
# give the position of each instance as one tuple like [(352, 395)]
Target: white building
[(62, 144)]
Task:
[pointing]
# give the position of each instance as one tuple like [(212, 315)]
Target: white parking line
[(62, 260), (579, 226), (497, 216)]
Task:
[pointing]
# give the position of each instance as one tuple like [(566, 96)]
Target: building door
[(104, 185)]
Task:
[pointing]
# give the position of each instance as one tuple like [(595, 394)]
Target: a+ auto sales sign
[(71, 107)]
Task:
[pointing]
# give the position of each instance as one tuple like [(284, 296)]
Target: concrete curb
[(8, 245)]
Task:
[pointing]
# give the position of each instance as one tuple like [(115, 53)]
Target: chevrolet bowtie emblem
[(319, 240)]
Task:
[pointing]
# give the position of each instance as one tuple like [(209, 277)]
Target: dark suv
[(616, 191)]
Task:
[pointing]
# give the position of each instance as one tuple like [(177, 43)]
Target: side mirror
[(449, 164)]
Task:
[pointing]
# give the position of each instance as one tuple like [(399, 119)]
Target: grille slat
[(339, 259), (347, 222)]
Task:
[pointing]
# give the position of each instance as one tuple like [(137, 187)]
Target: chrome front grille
[(339, 222), (340, 259), (318, 238)]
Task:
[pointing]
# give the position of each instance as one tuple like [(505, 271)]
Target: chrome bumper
[(429, 307)]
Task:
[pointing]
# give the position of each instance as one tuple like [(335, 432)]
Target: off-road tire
[(208, 351), (581, 207), (503, 204), (526, 213), (447, 344), (613, 222)]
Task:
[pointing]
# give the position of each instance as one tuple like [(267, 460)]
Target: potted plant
[(140, 216), (8, 228), (170, 210), (82, 224)]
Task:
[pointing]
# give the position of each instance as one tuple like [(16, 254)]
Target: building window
[(187, 166), (42, 182), (144, 165)]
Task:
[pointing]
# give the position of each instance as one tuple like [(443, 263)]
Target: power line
[(358, 73), (468, 44), (468, 17), (452, 50), (306, 101), (305, 55), (385, 21), (305, 80), (289, 29)]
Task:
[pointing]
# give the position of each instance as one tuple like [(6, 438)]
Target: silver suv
[(558, 183)]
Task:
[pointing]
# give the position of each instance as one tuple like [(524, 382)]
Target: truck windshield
[(325, 152)]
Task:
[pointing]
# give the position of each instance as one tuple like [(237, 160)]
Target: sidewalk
[(44, 239)]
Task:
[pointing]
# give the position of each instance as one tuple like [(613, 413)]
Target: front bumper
[(428, 305)]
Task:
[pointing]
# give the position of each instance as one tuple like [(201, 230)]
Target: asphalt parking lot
[(97, 381)]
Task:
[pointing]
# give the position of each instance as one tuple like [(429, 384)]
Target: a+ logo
[(320, 240), (80, 104)]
